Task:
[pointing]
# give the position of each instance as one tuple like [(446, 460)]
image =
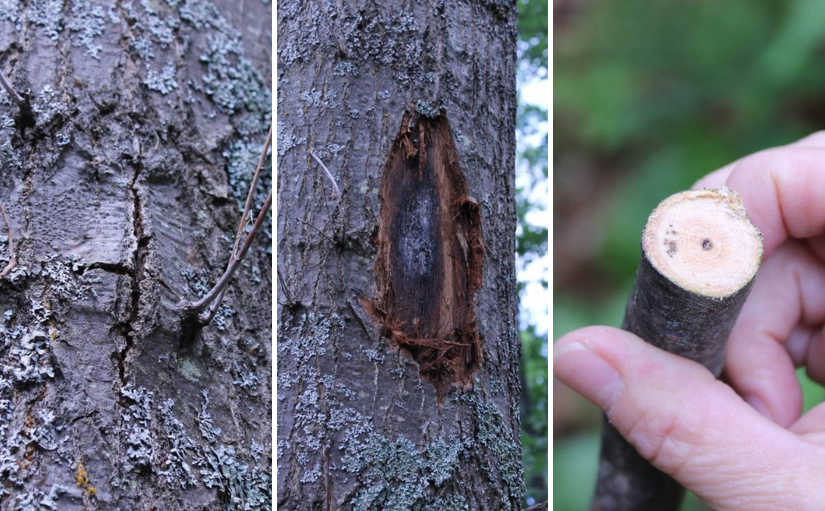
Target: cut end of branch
[(703, 241)]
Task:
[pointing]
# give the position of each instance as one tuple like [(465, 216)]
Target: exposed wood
[(430, 255), (700, 254), (358, 429)]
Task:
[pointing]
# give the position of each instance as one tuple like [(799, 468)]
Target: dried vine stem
[(207, 306), (13, 93), (12, 258), (329, 174)]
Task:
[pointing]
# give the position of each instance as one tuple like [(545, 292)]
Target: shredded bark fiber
[(430, 256)]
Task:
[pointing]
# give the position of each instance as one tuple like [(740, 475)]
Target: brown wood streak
[(430, 255)]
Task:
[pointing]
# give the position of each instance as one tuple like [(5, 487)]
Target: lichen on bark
[(121, 189), (347, 74)]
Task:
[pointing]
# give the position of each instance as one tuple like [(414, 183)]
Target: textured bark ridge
[(123, 192), (700, 254), (430, 255)]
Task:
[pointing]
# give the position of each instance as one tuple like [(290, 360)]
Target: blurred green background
[(649, 96), (532, 266)]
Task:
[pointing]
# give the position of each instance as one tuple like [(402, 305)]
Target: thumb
[(679, 417)]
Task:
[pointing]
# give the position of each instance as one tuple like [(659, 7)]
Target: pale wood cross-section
[(702, 241)]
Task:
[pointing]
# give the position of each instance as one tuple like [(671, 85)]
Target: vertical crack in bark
[(130, 328), (430, 255)]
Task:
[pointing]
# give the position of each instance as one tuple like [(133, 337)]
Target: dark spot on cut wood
[(671, 247), (430, 255), (707, 244)]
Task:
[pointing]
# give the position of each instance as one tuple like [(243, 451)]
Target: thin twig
[(210, 312), (322, 233), (251, 193), (12, 258), (13, 93), (284, 288), (234, 263), (215, 295), (329, 174)]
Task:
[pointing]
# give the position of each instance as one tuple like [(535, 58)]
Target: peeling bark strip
[(700, 254), (430, 255)]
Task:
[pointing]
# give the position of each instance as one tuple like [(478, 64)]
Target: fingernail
[(587, 373), (759, 406)]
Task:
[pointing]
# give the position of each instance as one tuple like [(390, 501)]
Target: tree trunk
[(397, 389), (700, 254), (123, 195)]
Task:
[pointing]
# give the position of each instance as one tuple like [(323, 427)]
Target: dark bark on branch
[(683, 321)]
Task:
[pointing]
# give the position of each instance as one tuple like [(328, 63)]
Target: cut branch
[(12, 258), (700, 254)]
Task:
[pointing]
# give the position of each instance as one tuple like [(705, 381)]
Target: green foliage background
[(648, 97), (532, 242)]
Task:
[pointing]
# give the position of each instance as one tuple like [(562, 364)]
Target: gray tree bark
[(123, 194), (359, 421)]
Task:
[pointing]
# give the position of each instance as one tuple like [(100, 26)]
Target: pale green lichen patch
[(394, 473), (205, 423), (287, 141), (163, 82), (88, 22), (10, 11), (217, 464), (29, 359), (190, 370), (26, 360), (397, 474), (231, 81), (246, 488), (11, 442), (36, 499), (49, 106), (428, 109), (137, 427), (176, 468), (500, 439), (242, 157), (47, 14), (65, 278)]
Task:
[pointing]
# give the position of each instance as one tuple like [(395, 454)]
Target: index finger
[(783, 191), (719, 177)]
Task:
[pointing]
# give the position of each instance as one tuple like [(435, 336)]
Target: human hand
[(742, 446)]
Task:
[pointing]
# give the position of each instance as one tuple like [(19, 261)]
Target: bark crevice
[(130, 328)]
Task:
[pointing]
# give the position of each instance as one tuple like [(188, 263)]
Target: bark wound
[(430, 256)]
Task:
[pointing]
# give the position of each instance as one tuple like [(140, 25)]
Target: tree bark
[(700, 254), (123, 191), (375, 283)]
